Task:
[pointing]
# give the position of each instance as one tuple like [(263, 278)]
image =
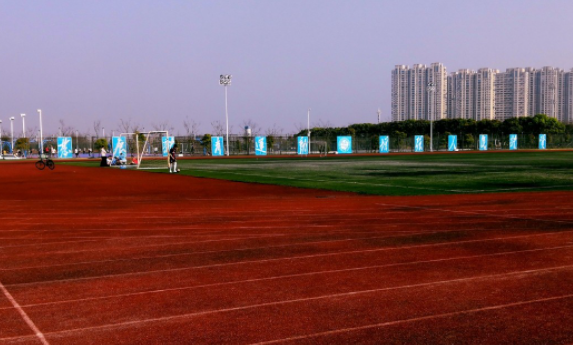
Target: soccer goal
[(144, 150), (320, 147)]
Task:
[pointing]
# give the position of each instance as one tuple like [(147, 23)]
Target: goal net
[(319, 147), (145, 150)]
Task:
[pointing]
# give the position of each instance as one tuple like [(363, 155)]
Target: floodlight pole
[(23, 125), (41, 134), (431, 91), (12, 133), (378, 115), (225, 80)]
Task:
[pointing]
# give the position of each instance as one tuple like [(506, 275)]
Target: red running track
[(105, 256)]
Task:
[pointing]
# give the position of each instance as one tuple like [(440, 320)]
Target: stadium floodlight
[(431, 92), (23, 125), (12, 133), (41, 133), (225, 80), (379, 115)]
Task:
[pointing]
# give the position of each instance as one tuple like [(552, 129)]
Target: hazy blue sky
[(157, 62)]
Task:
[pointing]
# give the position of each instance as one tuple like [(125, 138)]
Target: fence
[(287, 145)]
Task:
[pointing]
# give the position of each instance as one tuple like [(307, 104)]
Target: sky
[(156, 64)]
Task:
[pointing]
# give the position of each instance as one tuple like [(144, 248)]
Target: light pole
[(23, 125), (225, 80), (378, 115), (431, 90), (77, 142), (41, 134), (1, 144), (12, 133)]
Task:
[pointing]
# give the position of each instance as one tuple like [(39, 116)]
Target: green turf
[(451, 173)]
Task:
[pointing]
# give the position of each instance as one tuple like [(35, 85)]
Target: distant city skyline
[(157, 63), (424, 92)]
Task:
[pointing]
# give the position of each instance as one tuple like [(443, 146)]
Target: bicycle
[(45, 162)]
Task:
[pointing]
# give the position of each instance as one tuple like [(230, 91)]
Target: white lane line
[(27, 319), (422, 318), (317, 298), (393, 233), (214, 251), (288, 276), (496, 215), (292, 258)]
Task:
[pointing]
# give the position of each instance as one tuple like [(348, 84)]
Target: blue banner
[(452, 142), (119, 145), (64, 147), (344, 144), (483, 142), (419, 143), (166, 145), (302, 145), (261, 146), (542, 141), (384, 144), (217, 148), (513, 141)]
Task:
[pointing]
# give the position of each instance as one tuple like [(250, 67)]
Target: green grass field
[(446, 173), (401, 174)]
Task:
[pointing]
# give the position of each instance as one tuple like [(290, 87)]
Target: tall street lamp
[(225, 80), (41, 133), (12, 133), (23, 125), (431, 91)]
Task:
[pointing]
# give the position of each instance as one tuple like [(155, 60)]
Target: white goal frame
[(140, 154)]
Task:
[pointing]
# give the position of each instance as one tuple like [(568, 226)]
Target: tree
[(22, 144), (65, 130), (206, 142), (97, 128), (218, 128), (101, 142)]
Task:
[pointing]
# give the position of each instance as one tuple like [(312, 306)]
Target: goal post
[(147, 150), (320, 147)]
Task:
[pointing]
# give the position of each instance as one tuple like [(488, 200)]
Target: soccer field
[(400, 174)]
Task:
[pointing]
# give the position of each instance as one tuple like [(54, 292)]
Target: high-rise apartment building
[(471, 94), (419, 93), (423, 93), (548, 92), (400, 93), (512, 94), (568, 97)]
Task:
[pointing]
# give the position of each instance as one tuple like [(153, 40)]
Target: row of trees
[(537, 124)]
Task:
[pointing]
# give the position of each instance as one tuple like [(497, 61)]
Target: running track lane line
[(27, 319), (392, 323), (479, 213), (237, 282), (271, 260), (345, 294)]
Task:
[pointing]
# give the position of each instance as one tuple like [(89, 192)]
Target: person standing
[(103, 162), (173, 160)]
